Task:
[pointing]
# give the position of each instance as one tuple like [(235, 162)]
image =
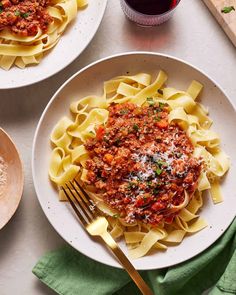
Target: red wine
[(152, 7)]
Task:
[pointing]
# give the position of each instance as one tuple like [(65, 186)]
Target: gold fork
[(96, 225)]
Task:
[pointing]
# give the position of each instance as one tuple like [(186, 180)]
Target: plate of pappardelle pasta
[(40, 38), (150, 139)]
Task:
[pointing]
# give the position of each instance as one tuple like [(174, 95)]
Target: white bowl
[(90, 81)]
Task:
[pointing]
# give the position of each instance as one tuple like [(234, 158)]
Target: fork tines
[(80, 201)]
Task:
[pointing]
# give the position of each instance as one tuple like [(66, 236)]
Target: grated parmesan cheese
[(3, 175)]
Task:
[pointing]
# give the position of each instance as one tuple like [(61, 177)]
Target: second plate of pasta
[(34, 51), (143, 141)]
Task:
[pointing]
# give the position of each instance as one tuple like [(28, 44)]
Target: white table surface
[(192, 34)]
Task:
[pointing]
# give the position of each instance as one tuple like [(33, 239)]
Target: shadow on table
[(148, 38), (43, 289), (10, 234)]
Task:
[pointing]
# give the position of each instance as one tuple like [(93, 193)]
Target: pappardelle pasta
[(145, 154), (29, 28)]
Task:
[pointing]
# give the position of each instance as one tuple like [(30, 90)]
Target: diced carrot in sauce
[(108, 158), (163, 124), (139, 202), (157, 206), (169, 219), (6, 3), (141, 163), (100, 133)]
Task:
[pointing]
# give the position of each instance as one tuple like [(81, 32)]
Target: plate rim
[(64, 85), (68, 64), (21, 188)]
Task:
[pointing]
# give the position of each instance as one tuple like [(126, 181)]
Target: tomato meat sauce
[(141, 163), (24, 17)]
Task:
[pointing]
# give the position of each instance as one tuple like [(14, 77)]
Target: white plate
[(90, 81), (72, 43)]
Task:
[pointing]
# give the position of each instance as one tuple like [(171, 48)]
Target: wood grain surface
[(226, 20)]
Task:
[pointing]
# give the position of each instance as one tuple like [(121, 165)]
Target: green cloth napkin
[(70, 273)]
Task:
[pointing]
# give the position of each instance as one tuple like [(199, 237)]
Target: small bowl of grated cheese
[(11, 178)]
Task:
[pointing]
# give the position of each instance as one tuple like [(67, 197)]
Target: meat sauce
[(141, 163), (24, 17)]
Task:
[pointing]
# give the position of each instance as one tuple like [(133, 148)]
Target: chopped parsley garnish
[(117, 215), (161, 105), (227, 9), (25, 15), (1, 10), (162, 163), (131, 185), (158, 171), (135, 127), (155, 191), (124, 111), (17, 13), (117, 141), (150, 100), (160, 91), (158, 119)]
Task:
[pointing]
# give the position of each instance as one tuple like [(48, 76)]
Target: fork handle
[(113, 246)]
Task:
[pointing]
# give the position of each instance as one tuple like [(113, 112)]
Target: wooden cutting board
[(226, 20)]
